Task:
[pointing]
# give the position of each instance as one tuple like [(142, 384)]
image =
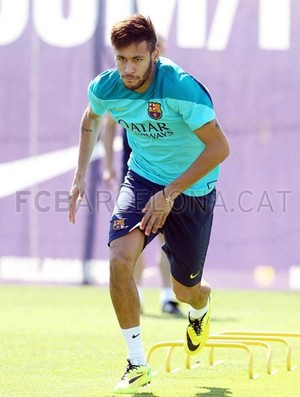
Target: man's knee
[(121, 265), (182, 293), (124, 252), (190, 294)]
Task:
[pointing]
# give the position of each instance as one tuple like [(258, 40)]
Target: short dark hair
[(134, 29)]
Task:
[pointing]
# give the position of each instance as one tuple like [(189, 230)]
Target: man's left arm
[(216, 150)]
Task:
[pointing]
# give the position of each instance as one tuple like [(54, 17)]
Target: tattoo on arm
[(85, 130)]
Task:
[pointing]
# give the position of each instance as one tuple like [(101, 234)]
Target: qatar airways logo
[(200, 23), (150, 130)]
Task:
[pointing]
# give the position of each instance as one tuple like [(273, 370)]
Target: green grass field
[(65, 341)]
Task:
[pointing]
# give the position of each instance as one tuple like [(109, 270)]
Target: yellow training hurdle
[(234, 340)]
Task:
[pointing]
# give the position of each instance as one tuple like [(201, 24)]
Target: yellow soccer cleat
[(134, 377), (197, 333)]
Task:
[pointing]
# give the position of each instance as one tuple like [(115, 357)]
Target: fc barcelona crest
[(154, 110), (119, 224)]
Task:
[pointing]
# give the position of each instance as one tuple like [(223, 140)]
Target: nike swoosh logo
[(40, 168), (135, 378), (135, 336), (191, 346), (194, 275)]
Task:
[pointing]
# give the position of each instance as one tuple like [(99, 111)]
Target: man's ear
[(155, 54)]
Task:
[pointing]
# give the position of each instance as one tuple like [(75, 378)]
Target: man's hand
[(75, 196), (156, 211)]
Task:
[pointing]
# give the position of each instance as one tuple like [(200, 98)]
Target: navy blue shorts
[(186, 230)]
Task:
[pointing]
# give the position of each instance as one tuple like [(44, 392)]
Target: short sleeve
[(96, 103), (193, 102)]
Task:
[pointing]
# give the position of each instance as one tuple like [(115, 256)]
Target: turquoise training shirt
[(159, 122)]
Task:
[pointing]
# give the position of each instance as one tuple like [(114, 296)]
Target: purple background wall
[(255, 87)]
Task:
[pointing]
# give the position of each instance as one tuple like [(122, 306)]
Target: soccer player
[(177, 147), (169, 305)]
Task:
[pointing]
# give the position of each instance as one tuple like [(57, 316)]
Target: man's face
[(136, 65)]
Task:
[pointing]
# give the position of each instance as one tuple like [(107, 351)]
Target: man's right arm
[(89, 131)]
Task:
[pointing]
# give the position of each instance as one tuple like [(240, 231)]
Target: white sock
[(134, 344), (198, 313), (166, 295)]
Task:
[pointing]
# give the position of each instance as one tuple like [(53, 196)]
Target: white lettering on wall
[(191, 23), (274, 24), (55, 29), (222, 25), (13, 19), (78, 27)]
